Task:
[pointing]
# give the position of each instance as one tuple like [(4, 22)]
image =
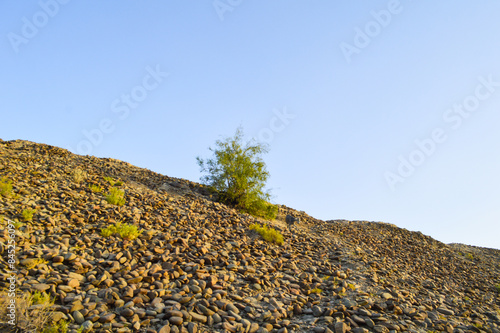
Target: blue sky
[(380, 111)]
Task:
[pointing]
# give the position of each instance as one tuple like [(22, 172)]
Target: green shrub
[(41, 298), (60, 327), (95, 188), (115, 197), (315, 291), (498, 288), (35, 263), (125, 231), (269, 234), (28, 214), (5, 187), (238, 174), (113, 182)]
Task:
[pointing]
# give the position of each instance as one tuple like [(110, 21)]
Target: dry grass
[(79, 175), (33, 311)]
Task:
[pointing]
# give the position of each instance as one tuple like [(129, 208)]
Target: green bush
[(238, 174), (5, 187), (125, 231), (28, 214), (113, 182), (498, 287), (115, 197), (95, 188), (269, 234), (315, 291)]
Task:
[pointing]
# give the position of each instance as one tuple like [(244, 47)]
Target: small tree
[(239, 175)]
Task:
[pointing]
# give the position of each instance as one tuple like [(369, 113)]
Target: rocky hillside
[(196, 266)]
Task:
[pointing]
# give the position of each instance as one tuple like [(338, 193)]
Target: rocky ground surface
[(198, 268)]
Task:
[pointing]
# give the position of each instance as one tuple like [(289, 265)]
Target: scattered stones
[(196, 268)]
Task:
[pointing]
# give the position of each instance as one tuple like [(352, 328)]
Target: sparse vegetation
[(498, 288), (41, 298), (17, 224), (95, 188), (79, 175), (115, 197), (238, 174), (5, 187), (30, 318), (113, 182), (351, 286), (269, 234), (124, 230), (35, 263), (60, 327), (28, 214), (315, 291), (469, 256)]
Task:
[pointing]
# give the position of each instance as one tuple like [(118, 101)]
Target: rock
[(40, 286), (175, 320), (73, 283), (198, 317), (317, 311), (380, 329), (192, 328), (107, 318), (340, 327), (386, 296), (79, 318), (87, 326), (359, 330), (165, 329), (446, 312)]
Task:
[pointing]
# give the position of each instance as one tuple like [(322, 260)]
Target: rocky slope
[(196, 267)]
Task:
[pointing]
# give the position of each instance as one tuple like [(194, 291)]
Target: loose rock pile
[(197, 268)]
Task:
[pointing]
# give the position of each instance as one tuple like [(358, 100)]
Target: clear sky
[(376, 110)]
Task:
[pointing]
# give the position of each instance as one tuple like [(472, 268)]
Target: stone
[(317, 311), (40, 286), (87, 326), (79, 318), (380, 329), (446, 312), (107, 318), (164, 329), (175, 320), (340, 327)]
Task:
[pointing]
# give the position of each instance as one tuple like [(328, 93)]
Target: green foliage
[(95, 188), (35, 263), (113, 182), (351, 286), (469, 256), (17, 224), (498, 288), (315, 291), (125, 231), (238, 174), (5, 187), (28, 214), (41, 298), (269, 234), (115, 197), (60, 327)]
